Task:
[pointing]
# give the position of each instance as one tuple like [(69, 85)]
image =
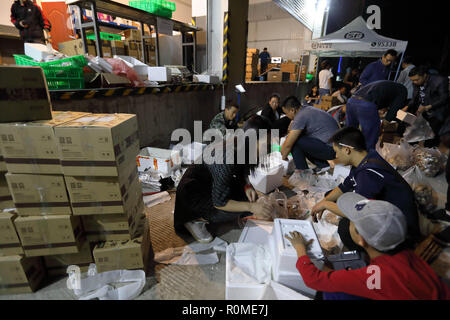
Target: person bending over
[(393, 273), (218, 191), (370, 176), (310, 130), (362, 107), (225, 119)]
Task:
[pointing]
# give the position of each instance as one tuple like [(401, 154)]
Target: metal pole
[(83, 33), (399, 65), (194, 68), (300, 70), (98, 40), (144, 50), (157, 44)]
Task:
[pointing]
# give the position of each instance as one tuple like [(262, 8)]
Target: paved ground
[(175, 282)]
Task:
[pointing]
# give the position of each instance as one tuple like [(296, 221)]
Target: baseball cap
[(380, 223)]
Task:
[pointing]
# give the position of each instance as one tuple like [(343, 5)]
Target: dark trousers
[(364, 113), (282, 125), (314, 149), (435, 125), (263, 68)]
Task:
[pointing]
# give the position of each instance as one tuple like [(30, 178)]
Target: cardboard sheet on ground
[(155, 199), (190, 254)]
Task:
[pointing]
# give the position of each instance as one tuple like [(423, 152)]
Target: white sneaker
[(198, 230)]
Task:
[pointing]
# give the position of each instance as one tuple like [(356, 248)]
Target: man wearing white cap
[(380, 228)]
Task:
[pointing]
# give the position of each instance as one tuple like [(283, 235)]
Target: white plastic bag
[(420, 130), (428, 160), (249, 263), (100, 285), (398, 155)]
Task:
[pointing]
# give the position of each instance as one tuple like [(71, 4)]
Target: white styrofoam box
[(240, 290), (140, 67), (257, 232), (288, 165), (161, 74), (291, 279), (285, 255), (206, 78), (159, 160), (37, 51), (267, 180), (277, 291)]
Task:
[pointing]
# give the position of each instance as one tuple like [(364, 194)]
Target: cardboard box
[(406, 117), (57, 264), (106, 48), (159, 74), (2, 160), (326, 102), (116, 255), (118, 48), (113, 226), (20, 275), (6, 200), (133, 49), (31, 147), (36, 194), (9, 240), (49, 235), (293, 77), (104, 195), (389, 126), (253, 51), (322, 107), (273, 65), (23, 94), (108, 80), (289, 67), (277, 76), (72, 48), (132, 34), (391, 137), (99, 144)]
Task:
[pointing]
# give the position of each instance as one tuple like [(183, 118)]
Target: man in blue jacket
[(372, 177), (378, 70)]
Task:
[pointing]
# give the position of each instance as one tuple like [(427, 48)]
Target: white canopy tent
[(355, 40)]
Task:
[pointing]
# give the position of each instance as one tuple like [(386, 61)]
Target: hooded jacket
[(32, 16)]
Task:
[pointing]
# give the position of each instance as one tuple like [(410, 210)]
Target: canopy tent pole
[(399, 65)]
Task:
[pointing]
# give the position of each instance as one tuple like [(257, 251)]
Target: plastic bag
[(428, 160), (426, 197), (420, 130), (278, 202), (101, 285), (327, 233), (399, 156), (120, 68)]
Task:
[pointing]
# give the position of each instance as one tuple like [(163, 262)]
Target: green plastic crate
[(105, 36), (60, 74), (156, 7)]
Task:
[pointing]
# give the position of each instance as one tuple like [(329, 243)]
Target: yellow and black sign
[(122, 92)]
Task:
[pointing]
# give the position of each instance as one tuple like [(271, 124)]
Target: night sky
[(425, 25)]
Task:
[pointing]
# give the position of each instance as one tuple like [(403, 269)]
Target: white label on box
[(105, 119), (85, 119)]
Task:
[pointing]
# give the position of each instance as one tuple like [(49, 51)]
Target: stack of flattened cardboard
[(251, 69)]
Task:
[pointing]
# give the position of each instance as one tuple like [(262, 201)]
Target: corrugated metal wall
[(302, 10)]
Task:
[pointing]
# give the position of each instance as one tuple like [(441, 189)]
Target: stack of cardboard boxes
[(69, 178), (326, 102), (131, 46), (251, 68)]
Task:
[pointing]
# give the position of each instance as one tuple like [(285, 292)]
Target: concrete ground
[(203, 282)]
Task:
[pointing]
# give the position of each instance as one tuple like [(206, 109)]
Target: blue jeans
[(340, 296), (364, 113), (313, 149), (323, 92)]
